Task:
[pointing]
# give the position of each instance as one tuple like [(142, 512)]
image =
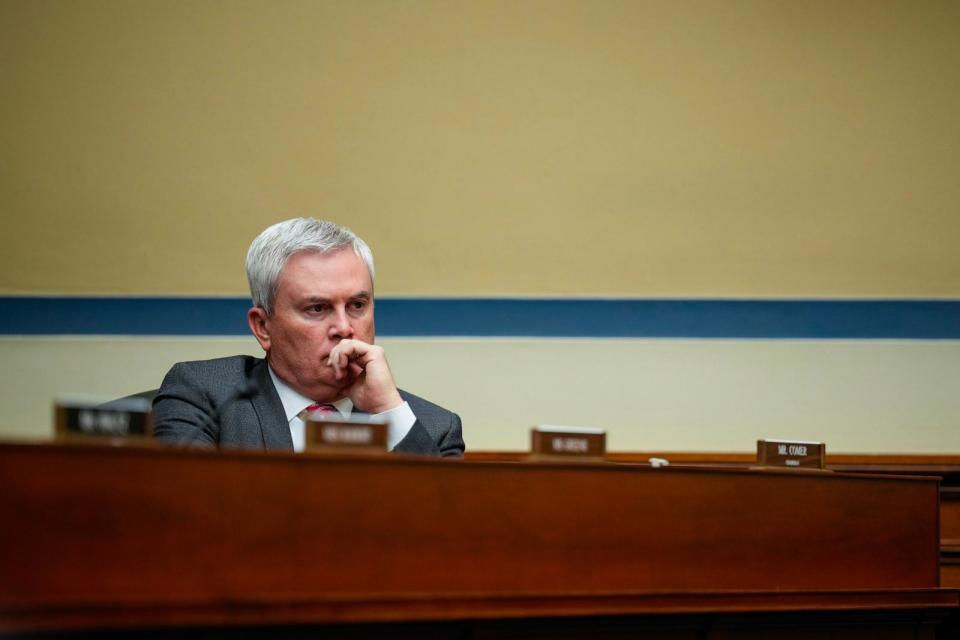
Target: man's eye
[(317, 308), (358, 305)]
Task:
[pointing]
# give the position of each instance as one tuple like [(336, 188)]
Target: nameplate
[(122, 420), (568, 443), (330, 435), (791, 454)]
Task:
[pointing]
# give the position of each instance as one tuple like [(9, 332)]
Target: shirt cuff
[(399, 422)]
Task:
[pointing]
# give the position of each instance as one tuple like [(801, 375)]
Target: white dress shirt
[(399, 419)]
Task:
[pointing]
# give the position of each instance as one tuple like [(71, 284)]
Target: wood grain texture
[(835, 460), (126, 535), (950, 519)]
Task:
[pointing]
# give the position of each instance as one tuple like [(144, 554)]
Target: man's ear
[(258, 319)]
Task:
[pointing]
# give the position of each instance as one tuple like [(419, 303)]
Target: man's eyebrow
[(362, 295)]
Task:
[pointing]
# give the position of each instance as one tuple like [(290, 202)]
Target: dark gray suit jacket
[(232, 402)]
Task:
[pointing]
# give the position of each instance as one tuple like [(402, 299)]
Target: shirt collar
[(294, 402)]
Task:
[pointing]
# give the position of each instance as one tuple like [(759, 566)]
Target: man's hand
[(373, 389)]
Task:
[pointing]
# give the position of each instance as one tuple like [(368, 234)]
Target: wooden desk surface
[(96, 536)]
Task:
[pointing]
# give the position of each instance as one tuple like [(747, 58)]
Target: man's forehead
[(340, 273)]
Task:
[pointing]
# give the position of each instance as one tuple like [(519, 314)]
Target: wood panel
[(945, 467), (950, 516), (905, 462), (131, 536), (950, 576)]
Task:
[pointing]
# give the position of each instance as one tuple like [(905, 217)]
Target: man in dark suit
[(312, 288)]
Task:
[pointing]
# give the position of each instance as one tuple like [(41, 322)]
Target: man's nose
[(340, 326)]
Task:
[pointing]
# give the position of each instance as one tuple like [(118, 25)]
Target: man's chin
[(330, 389)]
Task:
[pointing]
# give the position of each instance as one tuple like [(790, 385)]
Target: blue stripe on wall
[(599, 318)]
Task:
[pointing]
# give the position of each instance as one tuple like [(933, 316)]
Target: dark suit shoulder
[(442, 425), (229, 366), (196, 396), (215, 377), (416, 402)]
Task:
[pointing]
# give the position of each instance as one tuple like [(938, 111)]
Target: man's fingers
[(337, 364), (348, 353), (352, 349), (373, 388)]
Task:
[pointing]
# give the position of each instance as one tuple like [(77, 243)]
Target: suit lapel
[(270, 412)]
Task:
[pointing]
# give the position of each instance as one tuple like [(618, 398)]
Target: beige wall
[(875, 397), (750, 148), (743, 148)]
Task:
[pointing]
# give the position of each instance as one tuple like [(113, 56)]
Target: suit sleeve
[(451, 445), (183, 413)]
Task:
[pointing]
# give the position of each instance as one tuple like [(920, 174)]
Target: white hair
[(269, 252)]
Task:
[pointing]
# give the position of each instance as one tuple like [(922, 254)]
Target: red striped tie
[(317, 410)]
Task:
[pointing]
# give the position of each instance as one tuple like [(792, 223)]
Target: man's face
[(321, 300)]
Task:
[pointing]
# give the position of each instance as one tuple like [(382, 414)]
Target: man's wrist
[(399, 422), (389, 404)]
